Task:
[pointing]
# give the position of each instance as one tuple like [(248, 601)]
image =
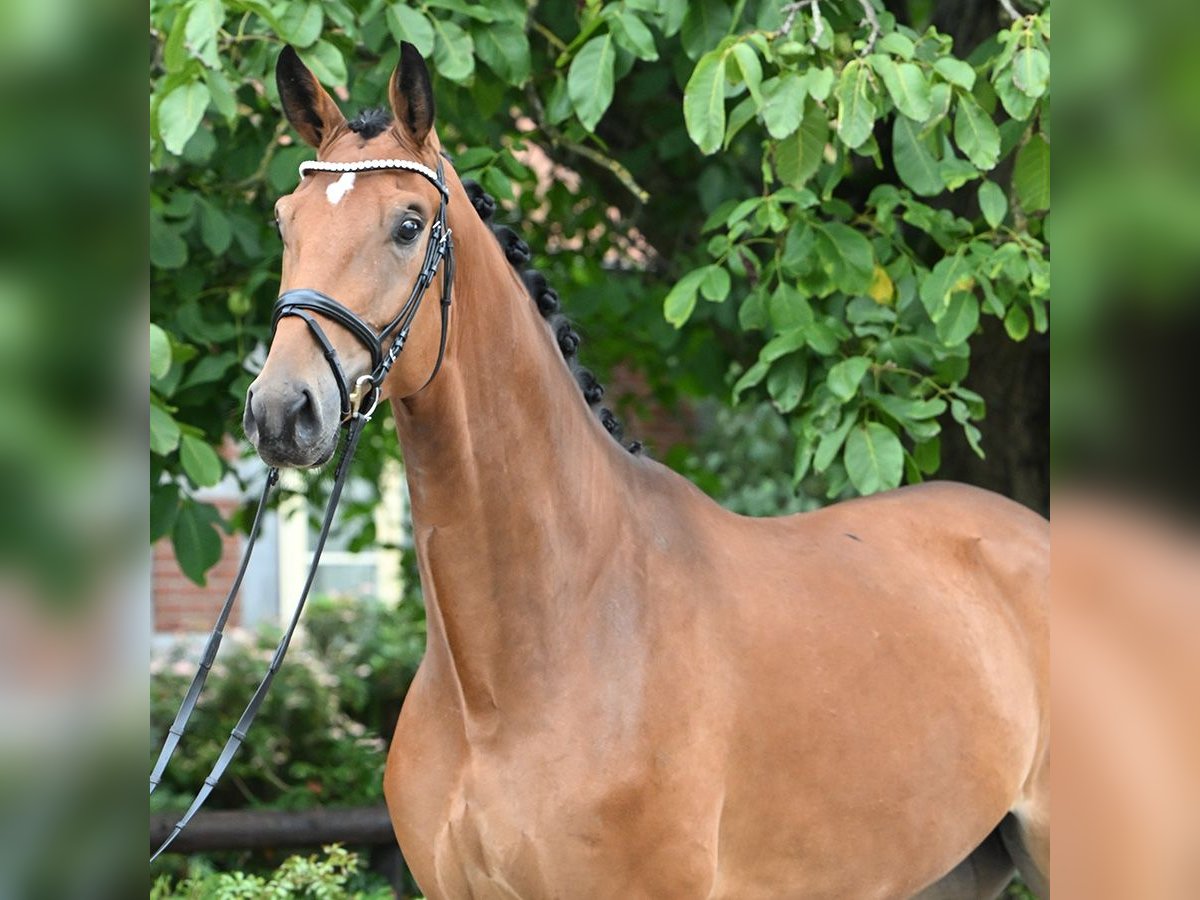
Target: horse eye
[(407, 231)]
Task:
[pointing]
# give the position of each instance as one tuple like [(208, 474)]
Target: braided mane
[(374, 121), (518, 254)]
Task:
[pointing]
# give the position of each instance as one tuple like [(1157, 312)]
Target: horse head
[(362, 235)]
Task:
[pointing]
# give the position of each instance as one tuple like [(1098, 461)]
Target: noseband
[(357, 406), (304, 301)]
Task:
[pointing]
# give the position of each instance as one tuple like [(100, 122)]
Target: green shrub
[(319, 739), (333, 875)]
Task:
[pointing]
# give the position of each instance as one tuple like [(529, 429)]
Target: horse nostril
[(306, 414), (249, 422)]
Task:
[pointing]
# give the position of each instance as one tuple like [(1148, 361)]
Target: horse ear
[(411, 94), (306, 104)]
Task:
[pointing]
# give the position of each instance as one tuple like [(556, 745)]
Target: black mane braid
[(546, 299)]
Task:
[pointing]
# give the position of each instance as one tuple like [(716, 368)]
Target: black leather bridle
[(303, 301), (358, 404)]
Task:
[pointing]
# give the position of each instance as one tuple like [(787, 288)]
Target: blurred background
[(81, 154)]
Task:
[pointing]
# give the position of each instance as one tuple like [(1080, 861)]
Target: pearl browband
[(319, 165), (367, 165)]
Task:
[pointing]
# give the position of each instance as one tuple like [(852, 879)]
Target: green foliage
[(319, 737), (335, 874), (861, 201)]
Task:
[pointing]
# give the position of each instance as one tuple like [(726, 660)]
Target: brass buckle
[(361, 386)]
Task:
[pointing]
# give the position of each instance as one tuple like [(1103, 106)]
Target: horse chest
[(518, 822)]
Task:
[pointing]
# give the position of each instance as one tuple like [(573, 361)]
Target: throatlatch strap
[(238, 735), (211, 646)]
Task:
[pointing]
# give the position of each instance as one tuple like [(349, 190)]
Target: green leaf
[(1031, 174), (976, 134), (164, 506), (203, 26), (928, 455), (940, 95), (300, 24), (200, 461), (906, 410), (786, 383), (1016, 322), (906, 85), (947, 277), (856, 111), (160, 352), (955, 71), (326, 62), (992, 203), (960, 319), (821, 337), (750, 69), (715, 286), (783, 344), (671, 14), (175, 52), (215, 229), (634, 36), (915, 164), (874, 458), (196, 542), (798, 156), (180, 113), (1016, 102), (704, 102), (408, 24), (167, 249), (481, 12), (742, 113), (209, 369), (504, 47), (705, 23), (1031, 71), (751, 377), (799, 248), (789, 309), (164, 431), (590, 83), (956, 172), (843, 379), (853, 262), (784, 107), (224, 100), (681, 300), (831, 441), (820, 83), (897, 45), (453, 51)]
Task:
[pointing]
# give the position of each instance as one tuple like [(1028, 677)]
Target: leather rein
[(358, 405)]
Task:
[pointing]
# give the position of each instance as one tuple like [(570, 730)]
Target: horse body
[(627, 690), (742, 708)]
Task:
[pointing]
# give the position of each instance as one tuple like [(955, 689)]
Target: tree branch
[(791, 9), (1010, 9), (618, 171), (871, 19), (818, 22)]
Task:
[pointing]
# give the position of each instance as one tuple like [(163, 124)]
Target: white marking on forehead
[(340, 188)]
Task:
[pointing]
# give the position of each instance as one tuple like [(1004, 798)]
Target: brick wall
[(180, 605)]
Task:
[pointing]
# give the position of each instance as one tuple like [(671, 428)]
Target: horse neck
[(513, 483)]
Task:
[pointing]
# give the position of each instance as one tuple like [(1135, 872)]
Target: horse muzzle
[(289, 425)]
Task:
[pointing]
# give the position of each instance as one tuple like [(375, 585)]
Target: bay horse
[(629, 691)]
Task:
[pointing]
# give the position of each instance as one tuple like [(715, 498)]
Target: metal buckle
[(361, 386)]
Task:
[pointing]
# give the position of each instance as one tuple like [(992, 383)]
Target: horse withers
[(629, 691)]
